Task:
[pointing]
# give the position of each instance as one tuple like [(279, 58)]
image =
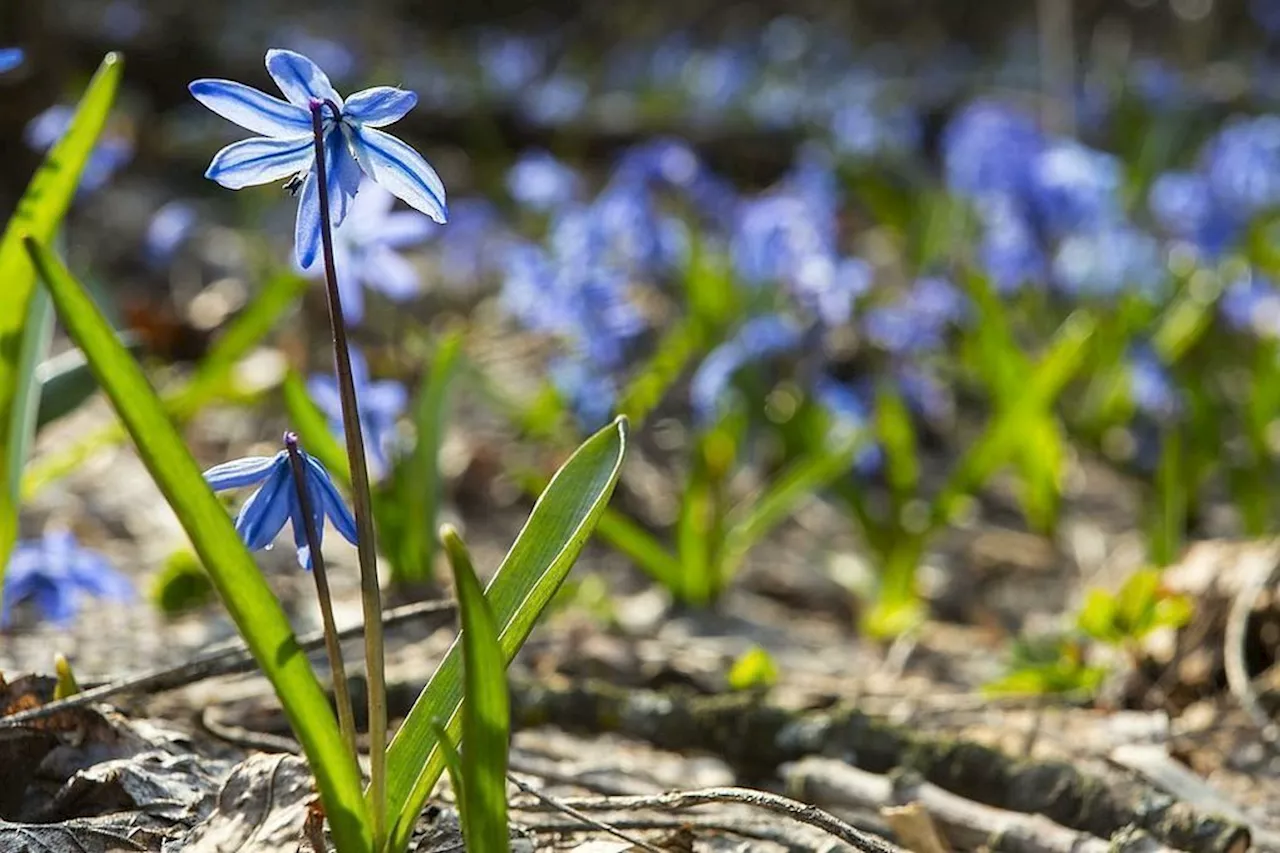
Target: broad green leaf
[(211, 380), (244, 591), (486, 708), (421, 490), (543, 553), (37, 215)]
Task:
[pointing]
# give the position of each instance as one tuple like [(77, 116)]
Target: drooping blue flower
[(168, 229), (555, 101), (1242, 165), (1106, 260), (1251, 303), (10, 58), (509, 60), (365, 250), (110, 153), (472, 247), (55, 574), (589, 391), (850, 411), (1010, 250), (828, 286), (1150, 386), (758, 339), (381, 404), (990, 147), (275, 501), (353, 143), (541, 182), (917, 320), (1184, 206), (1075, 187)]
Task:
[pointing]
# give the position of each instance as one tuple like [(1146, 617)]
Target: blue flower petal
[(334, 506), (251, 109), (380, 106), (343, 174), (10, 58), (239, 472), (299, 526), (260, 160), (300, 79), (401, 170), (390, 274), (306, 231), (267, 509)]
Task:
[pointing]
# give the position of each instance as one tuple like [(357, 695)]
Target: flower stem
[(361, 501), (341, 694)]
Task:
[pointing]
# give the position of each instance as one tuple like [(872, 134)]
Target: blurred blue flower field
[(948, 344)]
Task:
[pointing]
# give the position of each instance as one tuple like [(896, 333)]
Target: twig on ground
[(586, 819), (1233, 652), (226, 658), (968, 825), (743, 828), (801, 812)]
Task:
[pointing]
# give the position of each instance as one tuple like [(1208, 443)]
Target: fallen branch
[(756, 738), (968, 825), (797, 811), (585, 819), (226, 658), (1233, 652)]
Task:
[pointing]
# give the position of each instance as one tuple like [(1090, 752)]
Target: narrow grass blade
[(674, 352), (486, 708), (453, 763), (543, 553), (422, 490), (38, 214), (1002, 437), (631, 540), (37, 333), (751, 522), (243, 589)]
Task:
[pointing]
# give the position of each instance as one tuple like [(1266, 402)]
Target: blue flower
[(381, 403), (55, 573), (364, 250), (168, 229), (917, 320), (849, 411), (352, 143), (758, 339), (10, 58), (1184, 206), (1104, 261), (1075, 187), (275, 501), (990, 147), (1010, 250), (1251, 304), (541, 182), (110, 153), (590, 392), (1242, 165), (1150, 386)]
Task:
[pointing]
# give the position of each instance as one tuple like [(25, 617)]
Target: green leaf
[(673, 353), (1097, 618), (898, 438), (452, 763), (1002, 436), (543, 553), (36, 337), (644, 549), (244, 591), (753, 670), (751, 521), (211, 380), (486, 711), (421, 490), (38, 214)]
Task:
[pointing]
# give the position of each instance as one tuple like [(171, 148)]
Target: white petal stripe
[(260, 160), (401, 170), (251, 109)]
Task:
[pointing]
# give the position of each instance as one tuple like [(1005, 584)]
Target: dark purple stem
[(338, 670)]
